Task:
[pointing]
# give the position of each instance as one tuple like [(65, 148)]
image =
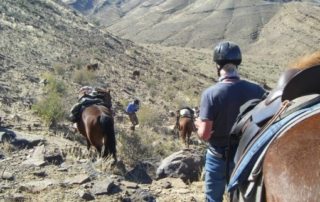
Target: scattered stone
[(119, 169), (88, 185), (86, 195), (54, 158), (40, 174), (166, 185), (6, 136), (19, 140), (83, 161), (7, 175), (79, 179), (175, 184), (103, 187), (16, 197), (130, 185), (143, 195), (139, 175), (37, 158), (36, 186), (64, 167), (182, 191)]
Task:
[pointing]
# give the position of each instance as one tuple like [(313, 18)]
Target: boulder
[(139, 175), (185, 164)]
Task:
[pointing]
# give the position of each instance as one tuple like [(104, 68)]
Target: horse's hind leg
[(188, 140), (103, 151), (88, 144), (184, 139)]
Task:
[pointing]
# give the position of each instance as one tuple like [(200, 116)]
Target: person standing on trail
[(131, 110), (219, 107)]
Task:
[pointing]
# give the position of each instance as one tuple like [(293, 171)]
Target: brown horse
[(290, 167), (97, 126), (185, 125)]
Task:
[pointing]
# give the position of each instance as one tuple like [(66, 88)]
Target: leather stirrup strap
[(285, 104)]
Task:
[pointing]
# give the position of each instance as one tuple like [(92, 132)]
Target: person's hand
[(197, 122)]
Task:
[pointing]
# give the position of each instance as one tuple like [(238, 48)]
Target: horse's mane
[(306, 61)]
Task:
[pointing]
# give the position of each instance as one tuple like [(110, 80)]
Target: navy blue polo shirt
[(221, 102)]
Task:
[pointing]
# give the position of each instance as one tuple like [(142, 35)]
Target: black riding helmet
[(136, 101), (227, 52)]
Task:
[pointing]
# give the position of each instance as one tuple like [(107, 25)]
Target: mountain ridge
[(196, 24)]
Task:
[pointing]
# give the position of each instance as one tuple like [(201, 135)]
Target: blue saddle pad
[(245, 166)]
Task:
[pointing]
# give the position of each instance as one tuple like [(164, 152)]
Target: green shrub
[(132, 148), (83, 77), (50, 108), (148, 117), (145, 144), (151, 82), (59, 69), (55, 85)]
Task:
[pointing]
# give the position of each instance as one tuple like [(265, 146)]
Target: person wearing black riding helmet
[(219, 108)]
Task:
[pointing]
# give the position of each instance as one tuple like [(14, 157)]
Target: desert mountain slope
[(41, 36), (292, 32), (186, 23), (44, 47)]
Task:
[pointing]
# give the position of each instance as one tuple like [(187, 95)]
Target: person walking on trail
[(131, 110), (219, 107)]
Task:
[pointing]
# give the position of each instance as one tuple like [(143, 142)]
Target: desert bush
[(148, 116), (170, 93), (151, 82), (54, 84), (123, 102), (132, 148), (79, 62), (145, 144), (83, 77), (50, 107), (59, 69)]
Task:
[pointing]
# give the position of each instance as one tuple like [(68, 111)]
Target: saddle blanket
[(244, 167)]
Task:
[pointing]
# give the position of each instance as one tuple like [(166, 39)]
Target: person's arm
[(136, 108), (129, 108), (204, 128)]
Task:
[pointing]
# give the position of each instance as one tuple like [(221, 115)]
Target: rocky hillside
[(44, 50), (186, 23), (41, 37)]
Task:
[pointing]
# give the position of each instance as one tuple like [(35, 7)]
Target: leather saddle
[(293, 83)]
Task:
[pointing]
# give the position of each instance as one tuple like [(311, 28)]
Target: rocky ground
[(52, 168)]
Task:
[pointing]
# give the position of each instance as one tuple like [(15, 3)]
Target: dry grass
[(145, 144)]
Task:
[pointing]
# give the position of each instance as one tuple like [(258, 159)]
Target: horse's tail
[(107, 125)]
